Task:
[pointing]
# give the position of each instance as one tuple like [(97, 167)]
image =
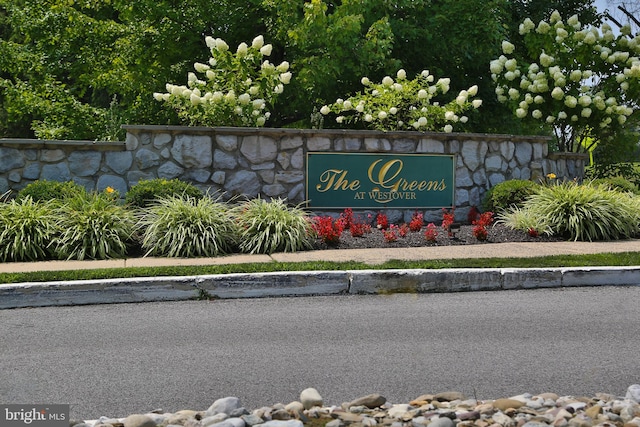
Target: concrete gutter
[(278, 284)]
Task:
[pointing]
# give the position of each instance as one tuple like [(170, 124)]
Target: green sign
[(367, 180)]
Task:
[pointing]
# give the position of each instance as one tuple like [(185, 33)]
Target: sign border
[(339, 153)]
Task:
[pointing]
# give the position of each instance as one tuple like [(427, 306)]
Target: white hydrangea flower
[(242, 49), (464, 119), (476, 103), (555, 17), (562, 115), (422, 121), (521, 113), (365, 81), (570, 101), (507, 48), (283, 67), (401, 74), (325, 110), (221, 45), (536, 114), (586, 112), (393, 110), (584, 100), (244, 99), (448, 128), (422, 94), (449, 115), (257, 42), (260, 121), (543, 27), (347, 105), (513, 93), (368, 118), (266, 49), (210, 41), (387, 81), (285, 77), (382, 115)]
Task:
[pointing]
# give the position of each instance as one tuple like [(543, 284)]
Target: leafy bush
[(617, 183), (145, 193), (44, 190), (93, 226), (508, 193), (272, 226), (26, 230), (582, 212), (183, 226)]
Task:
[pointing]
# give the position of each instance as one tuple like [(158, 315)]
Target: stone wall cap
[(48, 143), (333, 132)]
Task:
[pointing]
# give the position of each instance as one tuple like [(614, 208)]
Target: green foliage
[(93, 226), (272, 226), (506, 194), (617, 183), (584, 212), (405, 104), (625, 170), (27, 228), (235, 89), (147, 192), (580, 81), (43, 190), (183, 226)]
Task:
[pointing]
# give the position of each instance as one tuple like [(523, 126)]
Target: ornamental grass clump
[(26, 230), (183, 226), (231, 89), (272, 226), (581, 212), (93, 226), (404, 104)]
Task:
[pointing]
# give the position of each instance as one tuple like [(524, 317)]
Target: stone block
[(288, 143), (376, 144), (218, 177), (243, 182), (259, 149), (274, 190), (146, 159), (224, 160), (430, 146), (523, 153), (193, 151), (197, 175), (10, 158), (134, 177), (297, 159), (227, 142), (289, 177), (119, 161), (4, 185), (347, 144), (31, 171), (494, 162), (318, 143), (404, 146), (131, 142), (297, 194), (169, 170), (56, 172), (161, 139), (284, 160), (84, 163)]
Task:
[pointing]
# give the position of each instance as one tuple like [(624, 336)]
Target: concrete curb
[(261, 285)]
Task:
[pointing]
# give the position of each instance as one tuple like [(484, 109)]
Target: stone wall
[(269, 162)]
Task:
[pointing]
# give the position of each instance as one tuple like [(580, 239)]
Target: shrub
[(585, 212), (183, 226), (524, 219), (617, 183), (43, 190), (508, 193), (93, 226), (145, 193), (26, 230), (272, 226)]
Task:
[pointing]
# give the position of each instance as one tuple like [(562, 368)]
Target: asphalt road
[(119, 359)]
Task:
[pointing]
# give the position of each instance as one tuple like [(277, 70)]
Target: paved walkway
[(368, 256)]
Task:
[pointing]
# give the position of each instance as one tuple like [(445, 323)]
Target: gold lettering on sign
[(390, 170), (336, 179)]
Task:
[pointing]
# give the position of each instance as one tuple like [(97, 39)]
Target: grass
[(618, 259)]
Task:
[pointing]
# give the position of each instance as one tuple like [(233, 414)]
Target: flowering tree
[(405, 104), (235, 89), (583, 82)]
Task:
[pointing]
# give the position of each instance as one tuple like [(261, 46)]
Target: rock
[(335, 423), (214, 419), (504, 404), (281, 414), (181, 417), (310, 397), (370, 401), (398, 411), (466, 416), (593, 411), (276, 423), (442, 422), (449, 396), (579, 422), (252, 419), (226, 405), (138, 420), (503, 420), (633, 393), (229, 422)]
